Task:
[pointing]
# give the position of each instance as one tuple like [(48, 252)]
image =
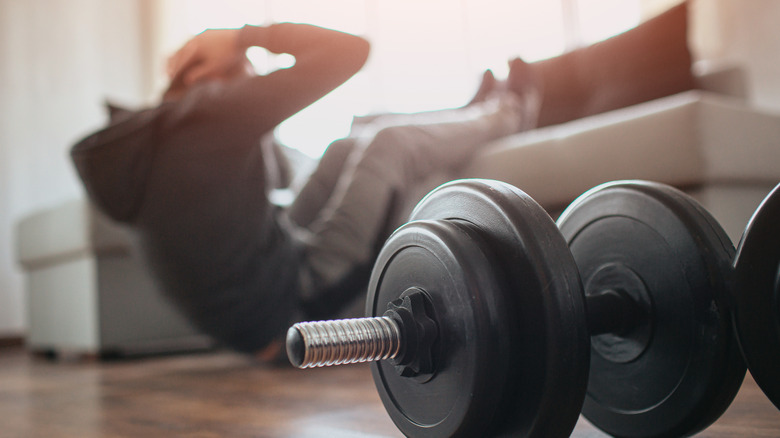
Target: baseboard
[(11, 341)]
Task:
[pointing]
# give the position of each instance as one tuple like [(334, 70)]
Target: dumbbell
[(478, 308), (757, 295)]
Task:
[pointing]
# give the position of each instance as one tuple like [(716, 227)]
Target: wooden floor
[(225, 395)]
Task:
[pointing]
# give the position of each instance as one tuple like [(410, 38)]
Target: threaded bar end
[(343, 341)]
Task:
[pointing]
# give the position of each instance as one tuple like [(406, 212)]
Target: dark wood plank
[(227, 395)]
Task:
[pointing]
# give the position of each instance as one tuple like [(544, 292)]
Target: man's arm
[(324, 59)]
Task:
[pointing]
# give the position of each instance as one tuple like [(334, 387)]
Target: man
[(192, 178)]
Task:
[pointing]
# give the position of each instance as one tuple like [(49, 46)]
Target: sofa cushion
[(655, 140), (689, 139), (649, 61)]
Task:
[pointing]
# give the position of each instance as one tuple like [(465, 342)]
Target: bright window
[(426, 54), (601, 19)]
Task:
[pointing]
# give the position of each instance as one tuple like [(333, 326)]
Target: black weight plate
[(449, 264), (511, 358), (680, 367), (757, 293)]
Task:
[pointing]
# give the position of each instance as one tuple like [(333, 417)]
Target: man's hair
[(177, 87)]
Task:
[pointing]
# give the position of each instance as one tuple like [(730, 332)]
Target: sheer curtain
[(426, 54)]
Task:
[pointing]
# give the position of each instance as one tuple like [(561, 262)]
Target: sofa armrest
[(728, 80), (738, 143), (65, 231)]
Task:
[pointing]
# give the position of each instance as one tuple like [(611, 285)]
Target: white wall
[(58, 60)]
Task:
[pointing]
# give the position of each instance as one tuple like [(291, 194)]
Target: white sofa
[(88, 292)]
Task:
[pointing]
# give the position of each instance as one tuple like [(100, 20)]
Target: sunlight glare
[(601, 19), (426, 54)]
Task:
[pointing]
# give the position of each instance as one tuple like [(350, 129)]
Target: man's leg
[(320, 185), (398, 156)]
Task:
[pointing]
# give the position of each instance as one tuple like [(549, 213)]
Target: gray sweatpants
[(346, 202)]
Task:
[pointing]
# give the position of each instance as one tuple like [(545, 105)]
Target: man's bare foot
[(486, 87), (525, 82)]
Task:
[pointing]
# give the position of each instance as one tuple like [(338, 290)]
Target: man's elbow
[(359, 52)]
